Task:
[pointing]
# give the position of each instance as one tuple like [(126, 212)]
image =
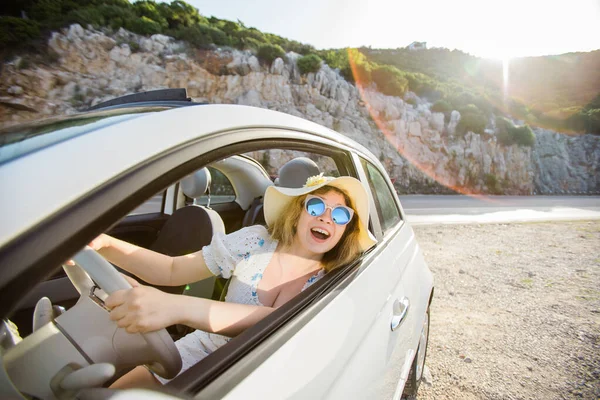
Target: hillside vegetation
[(146, 17), (559, 92)]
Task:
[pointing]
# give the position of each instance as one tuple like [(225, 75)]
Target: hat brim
[(277, 199)]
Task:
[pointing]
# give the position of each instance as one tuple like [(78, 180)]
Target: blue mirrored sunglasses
[(315, 206)]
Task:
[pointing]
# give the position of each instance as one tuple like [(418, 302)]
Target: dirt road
[(516, 312)]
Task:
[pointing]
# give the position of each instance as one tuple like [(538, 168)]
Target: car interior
[(224, 196)]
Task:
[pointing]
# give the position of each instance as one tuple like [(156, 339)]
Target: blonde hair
[(346, 250)]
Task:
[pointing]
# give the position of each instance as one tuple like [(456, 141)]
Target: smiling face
[(320, 234)]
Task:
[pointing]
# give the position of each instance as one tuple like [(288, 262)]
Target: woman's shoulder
[(257, 232), (256, 229), (251, 238)]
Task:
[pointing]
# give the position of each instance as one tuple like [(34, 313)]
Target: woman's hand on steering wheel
[(96, 244), (100, 242), (143, 308)]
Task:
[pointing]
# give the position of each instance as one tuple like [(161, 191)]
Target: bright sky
[(486, 28)]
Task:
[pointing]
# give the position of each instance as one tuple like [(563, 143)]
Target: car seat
[(190, 228)]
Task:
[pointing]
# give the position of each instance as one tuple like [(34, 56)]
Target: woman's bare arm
[(153, 267), (146, 309), (229, 319)]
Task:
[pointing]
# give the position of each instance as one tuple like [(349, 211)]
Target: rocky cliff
[(418, 147)]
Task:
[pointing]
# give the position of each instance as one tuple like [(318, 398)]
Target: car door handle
[(399, 313)]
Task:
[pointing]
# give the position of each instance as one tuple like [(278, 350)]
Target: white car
[(133, 170)]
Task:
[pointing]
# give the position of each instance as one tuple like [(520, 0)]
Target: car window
[(389, 214), (221, 189), (273, 159), (152, 205)]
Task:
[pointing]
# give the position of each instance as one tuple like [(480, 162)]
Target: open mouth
[(319, 233)]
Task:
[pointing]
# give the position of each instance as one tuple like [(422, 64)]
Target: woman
[(312, 230)]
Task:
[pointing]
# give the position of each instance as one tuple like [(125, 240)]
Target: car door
[(377, 368), (412, 284), (342, 345)]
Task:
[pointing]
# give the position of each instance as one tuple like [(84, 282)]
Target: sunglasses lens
[(340, 215), (315, 207)]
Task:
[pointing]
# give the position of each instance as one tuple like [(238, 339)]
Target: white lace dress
[(243, 254)]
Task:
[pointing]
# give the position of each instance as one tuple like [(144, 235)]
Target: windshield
[(21, 140)]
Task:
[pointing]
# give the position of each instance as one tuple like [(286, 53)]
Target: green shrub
[(300, 48), (250, 44), (16, 31), (360, 69), (269, 52), (423, 85), (593, 121), (524, 136), (229, 27), (462, 99), (181, 14), (412, 101), (193, 35), (338, 59), (255, 34), (441, 106), (143, 26), (469, 109), (493, 184), (217, 36), (49, 13), (335, 58), (86, 16), (389, 80), (309, 63), (115, 16), (201, 36), (471, 123), (149, 9), (249, 39), (586, 120), (509, 134)]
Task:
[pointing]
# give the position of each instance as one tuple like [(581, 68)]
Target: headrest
[(196, 184), (294, 173)]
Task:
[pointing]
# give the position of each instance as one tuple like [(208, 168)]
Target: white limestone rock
[(250, 98), (120, 54), (253, 64), (437, 121), (15, 90), (414, 129), (278, 66), (75, 32), (454, 120)]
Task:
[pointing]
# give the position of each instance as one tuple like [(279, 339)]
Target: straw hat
[(277, 200)]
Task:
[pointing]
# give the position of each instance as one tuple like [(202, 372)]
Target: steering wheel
[(92, 267)]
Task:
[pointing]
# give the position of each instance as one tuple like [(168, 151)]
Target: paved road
[(428, 209)]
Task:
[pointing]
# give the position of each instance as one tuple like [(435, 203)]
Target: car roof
[(20, 140), (43, 182)]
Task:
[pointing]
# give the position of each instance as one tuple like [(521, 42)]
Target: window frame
[(390, 188)]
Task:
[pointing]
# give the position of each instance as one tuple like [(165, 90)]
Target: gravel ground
[(516, 311)]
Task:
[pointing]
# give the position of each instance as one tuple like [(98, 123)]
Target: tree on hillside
[(389, 80)]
